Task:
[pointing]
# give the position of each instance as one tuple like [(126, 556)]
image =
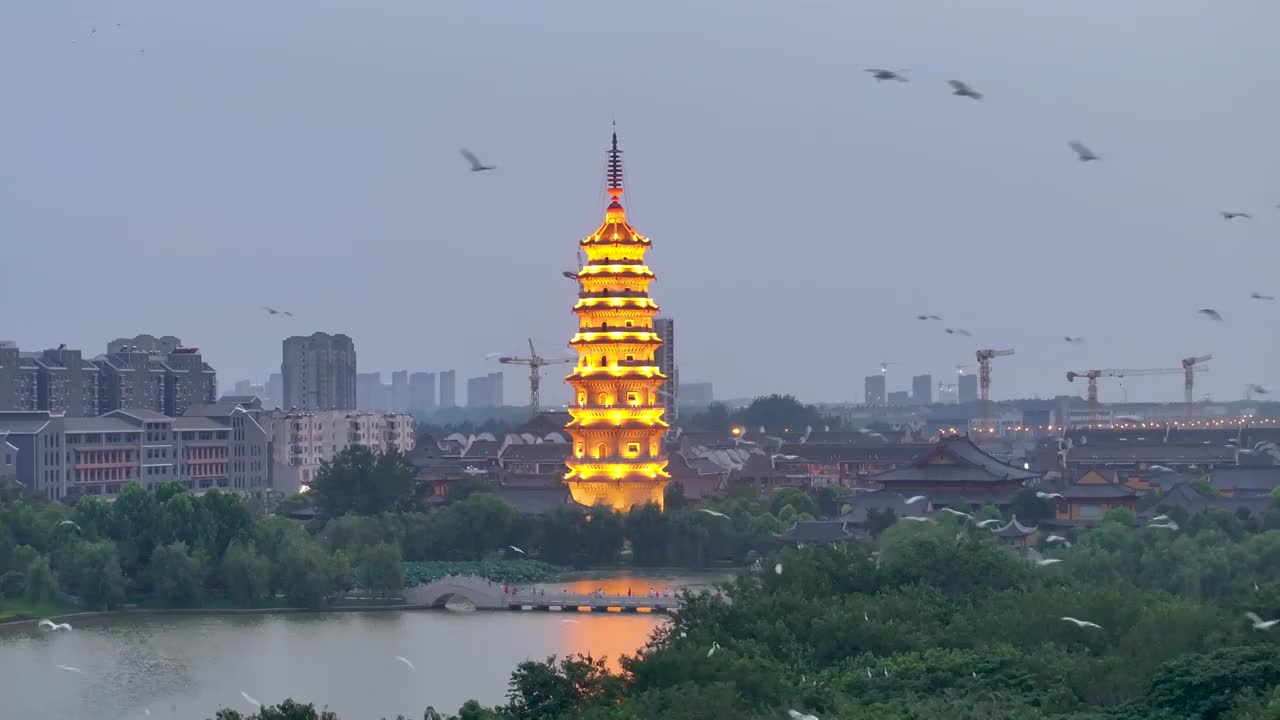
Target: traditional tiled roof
[(1096, 453), (481, 450), (698, 487), (537, 500), (1189, 499), (883, 453), (957, 460), (816, 531), (880, 501), (1253, 479), (540, 452)]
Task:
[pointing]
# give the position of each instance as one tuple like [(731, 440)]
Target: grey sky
[(304, 154)]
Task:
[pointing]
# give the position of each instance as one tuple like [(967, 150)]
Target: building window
[(582, 398), (630, 324), (602, 450), (633, 398), (633, 449), (577, 450), (602, 399)]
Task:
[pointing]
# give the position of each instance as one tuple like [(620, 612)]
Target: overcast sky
[(191, 161)]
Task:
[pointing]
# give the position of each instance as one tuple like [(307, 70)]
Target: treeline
[(177, 549), (939, 622)]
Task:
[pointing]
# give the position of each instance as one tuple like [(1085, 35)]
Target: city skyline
[(974, 211)]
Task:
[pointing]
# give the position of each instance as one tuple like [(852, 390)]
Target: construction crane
[(535, 362), (984, 380), (1093, 375), (1188, 367)]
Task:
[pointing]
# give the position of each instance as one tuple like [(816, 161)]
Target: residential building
[(948, 394), (696, 395), (422, 393), (319, 372), (305, 440), (485, 391), (8, 457), (249, 450), (400, 391), (37, 438), (19, 379), (275, 392), (145, 343), (968, 388), (168, 384), (899, 398), (874, 390), (664, 357), (371, 394), (448, 388), (922, 390)]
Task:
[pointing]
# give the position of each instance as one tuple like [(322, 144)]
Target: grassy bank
[(11, 610)]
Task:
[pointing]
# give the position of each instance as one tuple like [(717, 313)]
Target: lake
[(187, 666)]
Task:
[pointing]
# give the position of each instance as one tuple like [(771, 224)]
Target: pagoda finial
[(615, 167)]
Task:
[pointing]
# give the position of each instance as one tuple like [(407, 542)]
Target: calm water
[(188, 666)]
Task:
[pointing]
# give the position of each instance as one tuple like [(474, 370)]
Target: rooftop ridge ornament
[(615, 169)]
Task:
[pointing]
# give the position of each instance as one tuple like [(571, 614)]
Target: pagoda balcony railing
[(617, 406), (615, 294)]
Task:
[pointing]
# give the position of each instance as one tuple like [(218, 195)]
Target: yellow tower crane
[(1092, 377), (535, 362)]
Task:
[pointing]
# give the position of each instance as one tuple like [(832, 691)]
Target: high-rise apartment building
[(485, 391), (319, 372), (665, 358), (448, 388), (371, 394), (696, 394), (422, 392), (275, 391), (67, 383), (874, 390), (400, 391), (968, 388), (922, 390)]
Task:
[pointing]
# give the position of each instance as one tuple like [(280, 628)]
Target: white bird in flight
[(72, 523), (249, 699), (406, 662), (777, 569), (53, 626), (913, 499), (713, 513), (989, 523), (1058, 539), (1048, 561), (957, 513), (797, 715), (958, 331), (1210, 313), (513, 547), (961, 88), (1082, 623), (914, 518), (1160, 518), (1049, 496), (1171, 525), (476, 165), (1259, 623), (68, 668)]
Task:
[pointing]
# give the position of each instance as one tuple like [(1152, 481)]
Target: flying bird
[(406, 662), (68, 668), (272, 311), (570, 274), (1083, 153), (928, 317), (249, 699), (1171, 525), (53, 626), (961, 88), (1259, 623), (1226, 215), (1258, 389), (913, 518), (713, 513), (1058, 539), (1049, 496), (797, 715), (957, 513), (1160, 518), (513, 547), (1260, 296), (476, 165), (1048, 561), (72, 523), (777, 569), (913, 499), (714, 647), (958, 331), (1071, 339), (989, 523), (883, 74), (1082, 623), (1210, 313)]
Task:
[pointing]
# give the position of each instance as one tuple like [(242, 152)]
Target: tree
[(545, 690), (302, 572), (245, 574), (40, 584), (381, 570), (780, 413), (1204, 685), (97, 577), (798, 499), (673, 497), (1029, 509), (176, 575), (364, 483)]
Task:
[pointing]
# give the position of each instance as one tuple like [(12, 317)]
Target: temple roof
[(1014, 529), (957, 460)]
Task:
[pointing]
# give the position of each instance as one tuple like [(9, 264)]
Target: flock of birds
[(1082, 153)]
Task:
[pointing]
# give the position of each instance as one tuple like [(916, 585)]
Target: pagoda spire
[(614, 173)]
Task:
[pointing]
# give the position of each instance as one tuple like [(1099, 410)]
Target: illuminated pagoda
[(617, 423)]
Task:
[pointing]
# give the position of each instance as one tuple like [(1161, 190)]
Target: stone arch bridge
[(487, 595)]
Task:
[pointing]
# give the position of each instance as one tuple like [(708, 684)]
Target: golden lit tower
[(617, 423)]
